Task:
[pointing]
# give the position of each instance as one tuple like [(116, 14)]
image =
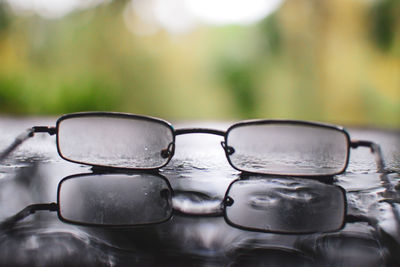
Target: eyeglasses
[(286, 205), (272, 147)]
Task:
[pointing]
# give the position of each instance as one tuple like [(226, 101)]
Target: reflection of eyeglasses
[(275, 147), (294, 205)]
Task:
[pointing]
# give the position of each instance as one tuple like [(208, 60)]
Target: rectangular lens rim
[(229, 222), (77, 176), (290, 122), (113, 115)]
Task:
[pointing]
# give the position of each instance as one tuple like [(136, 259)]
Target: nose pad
[(228, 149), (228, 201), (168, 152)]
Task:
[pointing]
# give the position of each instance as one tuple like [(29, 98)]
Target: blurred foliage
[(383, 16), (336, 61), (3, 17), (239, 80)]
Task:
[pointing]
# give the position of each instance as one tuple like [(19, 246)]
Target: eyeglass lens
[(287, 149), (113, 199), (122, 142), (287, 206)]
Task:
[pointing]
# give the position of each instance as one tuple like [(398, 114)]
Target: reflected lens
[(115, 199), (121, 141), (285, 206), (285, 148)]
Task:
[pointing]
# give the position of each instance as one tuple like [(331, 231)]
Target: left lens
[(115, 140), (115, 199), (287, 148)]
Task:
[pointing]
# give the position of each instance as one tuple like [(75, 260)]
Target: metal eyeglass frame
[(169, 152)]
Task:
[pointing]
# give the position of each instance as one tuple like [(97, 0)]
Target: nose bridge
[(199, 131)]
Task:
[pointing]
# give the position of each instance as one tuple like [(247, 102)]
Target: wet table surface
[(199, 169)]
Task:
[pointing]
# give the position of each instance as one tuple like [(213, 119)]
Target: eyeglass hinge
[(357, 143), (44, 129)]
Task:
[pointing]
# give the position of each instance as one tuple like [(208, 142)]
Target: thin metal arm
[(45, 129), (31, 209), (199, 130), (18, 141), (375, 149), (23, 137)]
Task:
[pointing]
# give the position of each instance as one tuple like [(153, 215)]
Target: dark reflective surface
[(199, 171), (285, 205), (115, 199)]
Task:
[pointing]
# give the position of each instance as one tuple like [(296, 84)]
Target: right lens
[(115, 140), (287, 148), (285, 205)]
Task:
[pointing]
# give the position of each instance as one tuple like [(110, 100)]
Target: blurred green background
[(336, 61)]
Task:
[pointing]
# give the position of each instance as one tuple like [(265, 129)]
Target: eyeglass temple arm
[(375, 149), (24, 136), (31, 209)]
